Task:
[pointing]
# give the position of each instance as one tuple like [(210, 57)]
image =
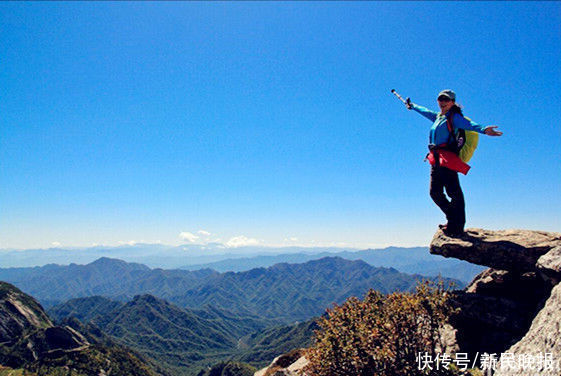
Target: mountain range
[(415, 260), (146, 336), (283, 292), (186, 321), (216, 256)]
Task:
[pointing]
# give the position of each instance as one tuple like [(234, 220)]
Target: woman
[(445, 163)]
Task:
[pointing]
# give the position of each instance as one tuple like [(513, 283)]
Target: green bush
[(380, 335)]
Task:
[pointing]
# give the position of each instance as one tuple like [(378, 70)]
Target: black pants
[(455, 209)]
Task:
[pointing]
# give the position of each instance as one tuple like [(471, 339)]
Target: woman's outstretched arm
[(431, 115), (470, 125)]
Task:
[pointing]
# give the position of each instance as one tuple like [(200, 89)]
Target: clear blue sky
[(269, 122)]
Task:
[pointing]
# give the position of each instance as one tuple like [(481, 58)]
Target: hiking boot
[(453, 232)]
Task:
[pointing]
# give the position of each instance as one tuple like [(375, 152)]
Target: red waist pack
[(449, 160)]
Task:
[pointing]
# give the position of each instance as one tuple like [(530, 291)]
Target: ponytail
[(456, 109)]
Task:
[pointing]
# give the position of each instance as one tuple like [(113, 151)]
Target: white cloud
[(56, 244), (201, 237), (240, 241), (291, 239), (188, 236), (130, 242)]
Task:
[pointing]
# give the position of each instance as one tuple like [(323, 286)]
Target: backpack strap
[(453, 141), (450, 127)]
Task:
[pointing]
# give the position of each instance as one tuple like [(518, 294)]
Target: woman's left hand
[(490, 131)]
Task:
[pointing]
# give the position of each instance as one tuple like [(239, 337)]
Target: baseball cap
[(448, 93)]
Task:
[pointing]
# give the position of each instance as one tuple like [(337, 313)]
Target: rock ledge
[(514, 250)]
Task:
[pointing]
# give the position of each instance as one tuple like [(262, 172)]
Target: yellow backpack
[(465, 142)]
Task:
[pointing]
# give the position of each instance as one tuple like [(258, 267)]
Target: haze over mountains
[(217, 256), (153, 255)]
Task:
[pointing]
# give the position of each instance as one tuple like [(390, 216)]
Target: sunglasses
[(443, 98)]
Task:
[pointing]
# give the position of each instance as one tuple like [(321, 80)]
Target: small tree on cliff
[(380, 335)]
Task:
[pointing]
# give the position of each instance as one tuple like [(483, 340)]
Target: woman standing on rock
[(444, 159)]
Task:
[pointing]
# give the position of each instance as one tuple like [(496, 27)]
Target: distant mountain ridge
[(285, 292), (416, 260), (295, 291), (154, 255), (105, 277), (412, 260)]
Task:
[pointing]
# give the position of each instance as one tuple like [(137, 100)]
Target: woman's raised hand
[(490, 131), (408, 103)]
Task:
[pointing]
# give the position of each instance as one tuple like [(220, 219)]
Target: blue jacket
[(439, 133)]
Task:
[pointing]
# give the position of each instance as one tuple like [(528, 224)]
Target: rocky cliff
[(509, 317), (18, 313), (26, 332), (512, 309), (29, 340)]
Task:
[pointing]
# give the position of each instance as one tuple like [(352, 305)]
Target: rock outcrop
[(497, 309), (29, 340), (18, 312), (543, 337), (289, 364), (513, 250), (550, 263), (514, 307), (26, 332)]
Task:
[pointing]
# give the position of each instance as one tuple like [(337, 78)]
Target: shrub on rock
[(381, 334)]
